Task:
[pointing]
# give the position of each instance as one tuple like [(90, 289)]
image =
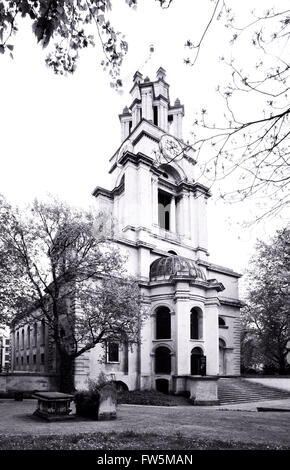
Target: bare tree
[(249, 144)]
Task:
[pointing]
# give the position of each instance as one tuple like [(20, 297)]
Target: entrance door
[(197, 362), (162, 385)]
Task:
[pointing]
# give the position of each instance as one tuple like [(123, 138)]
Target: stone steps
[(238, 390)]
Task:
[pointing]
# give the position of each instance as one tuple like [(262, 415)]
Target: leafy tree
[(57, 264), (267, 314), (73, 25)]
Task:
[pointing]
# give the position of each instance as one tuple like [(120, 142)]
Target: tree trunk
[(66, 373), (282, 367)]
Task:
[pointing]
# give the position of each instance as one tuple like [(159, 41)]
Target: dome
[(175, 265)]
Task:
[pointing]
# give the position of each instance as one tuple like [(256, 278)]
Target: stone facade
[(160, 213), (160, 224)]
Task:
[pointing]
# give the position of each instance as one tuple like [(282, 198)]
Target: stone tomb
[(53, 406)]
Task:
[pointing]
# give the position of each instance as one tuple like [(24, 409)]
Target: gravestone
[(107, 403)]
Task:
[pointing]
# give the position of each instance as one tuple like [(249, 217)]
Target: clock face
[(170, 148)]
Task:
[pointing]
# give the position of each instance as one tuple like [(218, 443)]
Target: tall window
[(35, 334), (196, 324), (164, 210), (113, 352), (163, 323), (222, 322), (17, 340), (42, 338), (28, 336), (22, 338), (155, 115), (162, 360)]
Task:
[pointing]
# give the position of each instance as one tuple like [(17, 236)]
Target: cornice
[(219, 269), (99, 191)]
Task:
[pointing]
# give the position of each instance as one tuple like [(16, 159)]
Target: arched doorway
[(162, 385), (197, 362), (162, 360), (121, 386), (222, 357)]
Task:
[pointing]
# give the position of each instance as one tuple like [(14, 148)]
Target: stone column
[(172, 219), (154, 187), (146, 357), (187, 215), (211, 336), (144, 197), (130, 197), (182, 312)]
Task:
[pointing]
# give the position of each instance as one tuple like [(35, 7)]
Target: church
[(161, 213), (192, 334)]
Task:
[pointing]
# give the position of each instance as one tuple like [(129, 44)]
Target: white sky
[(58, 133)]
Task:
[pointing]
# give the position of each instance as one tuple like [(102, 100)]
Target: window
[(113, 352), (42, 358), (7, 341), (196, 324), (172, 252), (28, 336), (42, 331), (170, 119), (17, 340), (155, 115), (163, 323), (22, 339), (35, 334), (34, 359), (222, 322), (27, 359), (17, 361), (7, 357), (22, 360), (164, 210), (162, 360)]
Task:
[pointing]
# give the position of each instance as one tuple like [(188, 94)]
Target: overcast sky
[(58, 133)]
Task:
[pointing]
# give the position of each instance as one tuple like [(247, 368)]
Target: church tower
[(160, 215)]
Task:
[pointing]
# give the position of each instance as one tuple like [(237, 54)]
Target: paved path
[(195, 422)]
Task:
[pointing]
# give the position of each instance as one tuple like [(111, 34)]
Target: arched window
[(222, 357), (222, 322), (197, 362), (196, 330), (222, 344), (163, 323), (162, 360)]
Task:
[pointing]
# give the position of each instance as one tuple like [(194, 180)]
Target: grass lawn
[(124, 441)]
